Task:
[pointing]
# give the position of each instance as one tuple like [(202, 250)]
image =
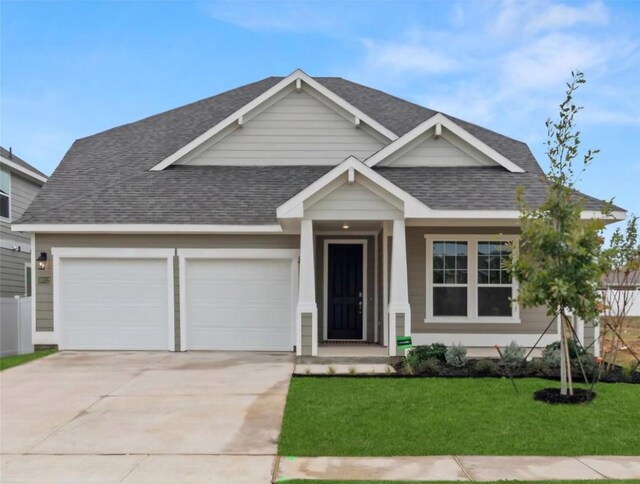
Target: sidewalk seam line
[(587, 465), (455, 457), (276, 468)]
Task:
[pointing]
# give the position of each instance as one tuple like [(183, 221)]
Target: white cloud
[(407, 57)]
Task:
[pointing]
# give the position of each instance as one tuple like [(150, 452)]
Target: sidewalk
[(457, 468)]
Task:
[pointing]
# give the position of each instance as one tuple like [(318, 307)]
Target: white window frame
[(7, 219), (472, 280)]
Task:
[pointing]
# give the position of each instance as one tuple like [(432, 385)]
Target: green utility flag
[(404, 342)]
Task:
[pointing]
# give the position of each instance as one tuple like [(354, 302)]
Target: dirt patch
[(630, 334)]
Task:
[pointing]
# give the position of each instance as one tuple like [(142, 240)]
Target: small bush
[(628, 370), (574, 349), (352, 370), (437, 351), (487, 367), (513, 356), (456, 356), (407, 366), (430, 366), (539, 366), (551, 356), (331, 370)]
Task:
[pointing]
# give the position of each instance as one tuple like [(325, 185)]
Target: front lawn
[(15, 360), (464, 416)]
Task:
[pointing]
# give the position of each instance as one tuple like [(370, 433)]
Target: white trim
[(34, 277), (472, 284), (347, 232), (45, 338), (23, 170), (110, 253), (148, 228), (297, 77), (325, 283), (184, 254), (483, 339), (385, 283), (294, 207), (443, 121), (375, 289)]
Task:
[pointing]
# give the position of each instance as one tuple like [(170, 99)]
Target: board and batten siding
[(533, 320), (12, 262), (352, 202), (45, 242), (297, 129), (430, 151)]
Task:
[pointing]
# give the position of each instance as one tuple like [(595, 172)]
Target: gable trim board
[(437, 122), (64, 255), (298, 77), (25, 171)]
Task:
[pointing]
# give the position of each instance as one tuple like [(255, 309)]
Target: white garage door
[(113, 304), (239, 304)]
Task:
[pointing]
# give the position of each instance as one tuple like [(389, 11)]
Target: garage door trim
[(110, 253), (184, 254)]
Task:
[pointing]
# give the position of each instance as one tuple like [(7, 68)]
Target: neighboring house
[(623, 292), (284, 214), (19, 184)]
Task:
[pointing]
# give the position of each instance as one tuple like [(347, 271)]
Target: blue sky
[(71, 69)]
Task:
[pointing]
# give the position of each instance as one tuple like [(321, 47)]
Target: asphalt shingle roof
[(104, 178), (19, 161)]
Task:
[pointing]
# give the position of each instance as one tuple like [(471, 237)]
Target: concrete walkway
[(138, 417), (458, 468)]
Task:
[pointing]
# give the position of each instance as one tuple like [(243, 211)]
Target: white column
[(307, 286), (399, 290)]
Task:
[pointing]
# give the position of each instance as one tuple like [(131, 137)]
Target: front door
[(344, 291)]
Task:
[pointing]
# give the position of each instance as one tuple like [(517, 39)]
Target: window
[(5, 193), (467, 280), (494, 281), (27, 280), (450, 278)]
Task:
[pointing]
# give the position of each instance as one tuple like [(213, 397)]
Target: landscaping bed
[(346, 416)]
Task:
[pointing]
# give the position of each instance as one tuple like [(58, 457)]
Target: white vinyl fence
[(15, 326)]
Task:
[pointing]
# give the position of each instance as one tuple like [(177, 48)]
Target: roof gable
[(297, 127), (440, 125), (296, 79)]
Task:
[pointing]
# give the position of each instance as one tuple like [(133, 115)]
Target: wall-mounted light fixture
[(42, 261), (345, 226)]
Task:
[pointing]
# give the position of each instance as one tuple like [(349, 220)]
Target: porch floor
[(332, 350)]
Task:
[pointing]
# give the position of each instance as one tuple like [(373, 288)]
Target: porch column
[(307, 311), (399, 310)]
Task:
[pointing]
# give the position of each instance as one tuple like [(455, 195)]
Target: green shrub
[(574, 349), (425, 352), (487, 367), (408, 366), (513, 356), (456, 355), (629, 369), (430, 366), (551, 356), (538, 365)]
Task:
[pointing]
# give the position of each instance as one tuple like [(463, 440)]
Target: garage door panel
[(114, 303), (241, 304)]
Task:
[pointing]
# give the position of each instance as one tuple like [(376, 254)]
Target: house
[(290, 213), (621, 291), (19, 184)]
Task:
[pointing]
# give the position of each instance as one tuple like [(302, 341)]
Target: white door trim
[(110, 253), (325, 283), (184, 254)]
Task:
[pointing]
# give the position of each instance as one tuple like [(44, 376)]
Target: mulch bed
[(553, 396)]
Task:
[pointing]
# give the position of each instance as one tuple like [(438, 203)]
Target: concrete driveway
[(137, 417)]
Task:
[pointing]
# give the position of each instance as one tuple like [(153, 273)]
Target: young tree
[(619, 289), (559, 261)]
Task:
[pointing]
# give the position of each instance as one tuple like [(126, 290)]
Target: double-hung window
[(467, 280), (5, 195)]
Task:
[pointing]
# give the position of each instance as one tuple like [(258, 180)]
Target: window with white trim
[(5, 194), (467, 280)]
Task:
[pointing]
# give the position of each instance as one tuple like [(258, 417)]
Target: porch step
[(347, 360)]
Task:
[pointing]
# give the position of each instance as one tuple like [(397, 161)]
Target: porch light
[(42, 261), (345, 226)]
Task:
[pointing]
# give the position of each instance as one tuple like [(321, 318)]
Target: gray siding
[(352, 202), (44, 243), (12, 263), (319, 256), (298, 129), (533, 320)]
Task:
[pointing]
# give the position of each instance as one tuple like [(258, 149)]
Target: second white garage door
[(238, 304)]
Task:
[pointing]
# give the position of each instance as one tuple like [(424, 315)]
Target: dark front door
[(344, 291)]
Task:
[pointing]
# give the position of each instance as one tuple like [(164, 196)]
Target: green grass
[(441, 416), (11, 361)]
